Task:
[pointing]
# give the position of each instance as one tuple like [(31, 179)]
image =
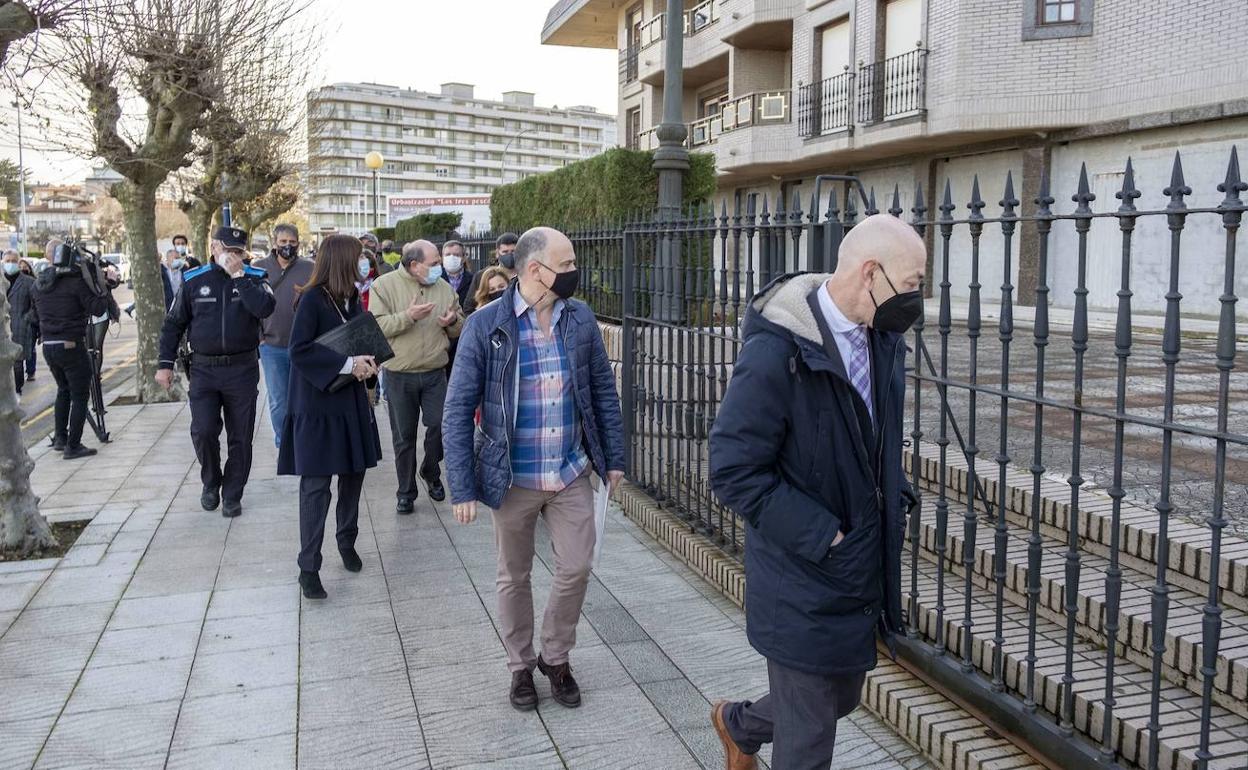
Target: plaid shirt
[(546, 453)]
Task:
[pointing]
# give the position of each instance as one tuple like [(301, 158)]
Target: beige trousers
[(569, 517)]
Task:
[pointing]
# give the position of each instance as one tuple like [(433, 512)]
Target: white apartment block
[(914, 93), (441, 151)]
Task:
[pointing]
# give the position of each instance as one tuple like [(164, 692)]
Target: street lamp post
[(374, 161), (671, 160), (503, 174), (21, 184)]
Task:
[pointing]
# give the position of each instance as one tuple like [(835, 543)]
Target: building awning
[(584, 23)]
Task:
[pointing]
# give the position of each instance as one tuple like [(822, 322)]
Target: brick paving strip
[(170, 637)]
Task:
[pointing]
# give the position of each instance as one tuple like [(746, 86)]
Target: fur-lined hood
[(784, 303)]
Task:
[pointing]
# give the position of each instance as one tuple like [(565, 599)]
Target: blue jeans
[(276, 364)]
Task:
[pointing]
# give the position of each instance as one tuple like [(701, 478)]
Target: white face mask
[(453, 263), (364, 267)]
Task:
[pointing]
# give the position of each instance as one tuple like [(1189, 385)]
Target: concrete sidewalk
[(172, 637)]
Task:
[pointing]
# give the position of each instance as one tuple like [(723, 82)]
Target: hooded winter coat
[(793, 451)]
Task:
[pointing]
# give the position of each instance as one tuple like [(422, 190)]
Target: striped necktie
[(859, 368)]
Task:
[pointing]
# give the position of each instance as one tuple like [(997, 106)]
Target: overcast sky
[(493, 44)]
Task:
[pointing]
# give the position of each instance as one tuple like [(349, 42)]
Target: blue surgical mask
[(364, 266), (435, 274), (11, 268), (178, 264)]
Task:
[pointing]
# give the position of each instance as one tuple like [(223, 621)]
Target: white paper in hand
[(602, 496)]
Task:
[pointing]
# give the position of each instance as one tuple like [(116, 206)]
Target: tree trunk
[(200, 215), (22, 527), (138, 205)]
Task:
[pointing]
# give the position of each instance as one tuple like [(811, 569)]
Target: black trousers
[(314, 508), (224, 396), (19, 373), (71, 368), (798, 717), (410, 396)]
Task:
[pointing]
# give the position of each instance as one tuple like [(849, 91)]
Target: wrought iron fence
[(826, 107), (628, 64), (1101, 627), (893, 87)]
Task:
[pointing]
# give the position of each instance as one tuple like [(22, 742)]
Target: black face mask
[(899, 312), (496, 294), (287, 252), (508, 260), (564, 285)]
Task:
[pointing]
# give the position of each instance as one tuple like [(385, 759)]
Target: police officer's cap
[(231, 237)]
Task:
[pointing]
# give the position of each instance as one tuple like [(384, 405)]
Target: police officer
[(219, 307)]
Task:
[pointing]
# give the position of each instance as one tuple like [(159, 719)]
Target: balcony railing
[(701, 16), (628, 64), (893, 87), (696, 19), (652, 31), (825, 107)]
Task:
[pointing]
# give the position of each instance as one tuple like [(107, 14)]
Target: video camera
[(71, 256)]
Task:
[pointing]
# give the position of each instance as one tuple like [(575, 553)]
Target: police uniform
[(220, 316)]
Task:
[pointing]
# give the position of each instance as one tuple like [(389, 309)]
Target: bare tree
[(254, 134), (265, 209), (150, 72), (22, 527)]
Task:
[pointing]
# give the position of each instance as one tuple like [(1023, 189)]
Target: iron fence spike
[(1083, 195), (896, 209), (872, 210), (946, 206), (1178, 187), (919, 209), (977, 201), (1128, 193), (1234, 184), (1009, 202)]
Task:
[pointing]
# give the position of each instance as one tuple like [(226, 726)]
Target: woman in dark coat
[(327, 434)]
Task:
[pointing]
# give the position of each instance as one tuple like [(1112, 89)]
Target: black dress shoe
[(231, 509), (57, 446), (74, 452), (523, 694), (310, 582), (437, 492), (209, 499), (563, 688), (404, 506), (351, 559)]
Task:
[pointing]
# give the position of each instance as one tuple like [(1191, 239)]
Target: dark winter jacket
[(283, 282), (325, 434), (19, 291), (478, 458), (218, 314), (792, 452), (64, 303)]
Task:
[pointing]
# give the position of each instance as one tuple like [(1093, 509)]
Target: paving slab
[(171, 637)]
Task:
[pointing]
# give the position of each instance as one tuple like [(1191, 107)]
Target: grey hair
[(284, 227), (8, 252), (532, 243), (413, 252), (452, 243)]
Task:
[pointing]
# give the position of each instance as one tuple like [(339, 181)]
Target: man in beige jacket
[(420, 314)]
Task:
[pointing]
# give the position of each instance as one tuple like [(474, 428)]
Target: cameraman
[(67, 295)]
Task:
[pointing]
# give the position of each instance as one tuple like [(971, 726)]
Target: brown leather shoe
[(734, 757)]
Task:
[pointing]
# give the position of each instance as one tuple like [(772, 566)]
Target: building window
[(1057, 11), (632, 129), (1053, 19)]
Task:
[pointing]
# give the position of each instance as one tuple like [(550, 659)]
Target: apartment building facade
[(914, 94), (441, 151)]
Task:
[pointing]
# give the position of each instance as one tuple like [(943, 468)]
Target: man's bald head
[(884, 239), (420, 251), (879, 258), (546, 244)]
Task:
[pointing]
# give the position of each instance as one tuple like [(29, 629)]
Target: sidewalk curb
[(948, 735)]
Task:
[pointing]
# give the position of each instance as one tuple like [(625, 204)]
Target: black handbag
[(361, 336)]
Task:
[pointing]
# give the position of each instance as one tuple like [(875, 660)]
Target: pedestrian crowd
[(508, 374)]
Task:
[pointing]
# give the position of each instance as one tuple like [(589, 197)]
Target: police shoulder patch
[(196, 272), (255, 272)]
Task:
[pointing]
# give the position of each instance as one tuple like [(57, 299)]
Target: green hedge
[(427, 226), (384, 233), (616, 184)]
